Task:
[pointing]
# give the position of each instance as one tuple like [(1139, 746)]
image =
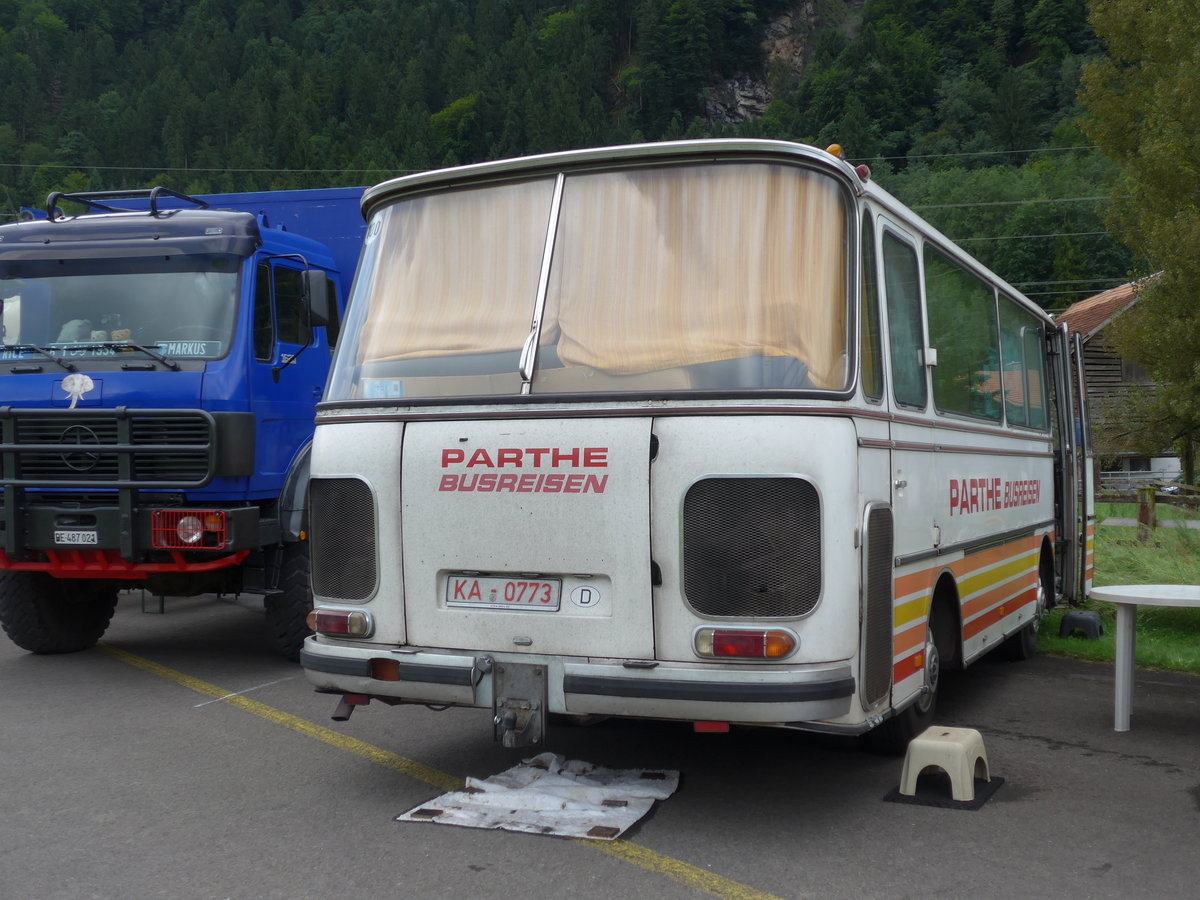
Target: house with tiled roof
[(1108, 376)]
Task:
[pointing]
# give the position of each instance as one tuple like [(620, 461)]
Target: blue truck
[(161, 359)]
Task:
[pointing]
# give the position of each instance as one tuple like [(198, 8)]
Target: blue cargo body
[(161, 362)]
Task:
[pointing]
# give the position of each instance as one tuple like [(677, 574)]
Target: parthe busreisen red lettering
[(975, 495), (527, 458)]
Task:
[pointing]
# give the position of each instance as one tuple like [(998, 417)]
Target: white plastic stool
[(956, 751)]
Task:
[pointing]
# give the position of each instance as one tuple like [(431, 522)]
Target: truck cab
[(161, 362)]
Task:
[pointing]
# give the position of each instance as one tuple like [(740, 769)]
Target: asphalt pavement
[(181, 759)]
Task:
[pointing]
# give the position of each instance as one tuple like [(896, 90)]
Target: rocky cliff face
[(785, 44)]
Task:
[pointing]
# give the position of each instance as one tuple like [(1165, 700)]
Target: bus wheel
[(892, 736), (288, 608), (48, 615)]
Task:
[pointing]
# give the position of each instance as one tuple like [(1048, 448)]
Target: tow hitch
[(519, 704)]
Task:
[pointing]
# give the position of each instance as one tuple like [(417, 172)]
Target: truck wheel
[(50, 615), (288, 609)]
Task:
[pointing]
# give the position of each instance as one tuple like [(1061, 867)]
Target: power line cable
[(1017, 237), (1012, 202), (979, 153), (1120, 278)]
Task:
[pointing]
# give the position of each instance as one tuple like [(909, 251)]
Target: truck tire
[(49, 615), (288, 608)]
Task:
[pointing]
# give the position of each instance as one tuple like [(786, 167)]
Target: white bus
[(707, 431)]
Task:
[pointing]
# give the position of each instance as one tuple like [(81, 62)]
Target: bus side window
[(902, 286), (962, 328), (872, 350), (1035, 373), (1021, 345), (1012, 355), (264, 316)]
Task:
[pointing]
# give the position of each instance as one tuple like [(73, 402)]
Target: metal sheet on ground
[(549, 795)]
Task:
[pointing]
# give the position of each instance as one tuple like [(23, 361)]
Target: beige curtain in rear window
[(459, 273), (656, 268)]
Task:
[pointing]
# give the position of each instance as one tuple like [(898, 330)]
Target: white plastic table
[(1127, 598)]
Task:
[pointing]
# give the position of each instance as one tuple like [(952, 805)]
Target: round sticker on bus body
[(585, 596)]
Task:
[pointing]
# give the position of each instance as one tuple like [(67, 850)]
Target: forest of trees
[(966, 110)]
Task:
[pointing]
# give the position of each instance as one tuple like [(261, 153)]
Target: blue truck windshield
[(180, 307)]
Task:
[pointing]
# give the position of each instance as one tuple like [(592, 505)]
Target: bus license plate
[(493, 592), (75, 538)]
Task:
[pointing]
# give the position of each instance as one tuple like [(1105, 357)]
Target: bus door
[(912, 491), (1072, 463)]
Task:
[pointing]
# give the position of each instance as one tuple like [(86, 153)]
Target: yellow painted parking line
[(676, 870)]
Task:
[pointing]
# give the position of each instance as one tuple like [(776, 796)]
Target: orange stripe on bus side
[(1004, 553), (909, 639), (991, 617), (911, 584), (980, 602)]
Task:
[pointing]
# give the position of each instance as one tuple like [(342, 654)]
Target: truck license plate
[(495, 592), (75, 537)]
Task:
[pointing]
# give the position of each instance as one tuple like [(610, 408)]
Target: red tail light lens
[(355, 623), (746, 643)]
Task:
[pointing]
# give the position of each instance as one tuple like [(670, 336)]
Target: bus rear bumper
[(748, 694)]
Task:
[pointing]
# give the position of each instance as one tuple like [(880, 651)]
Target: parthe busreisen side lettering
[(525, 484), (972, 495), (525, 458)]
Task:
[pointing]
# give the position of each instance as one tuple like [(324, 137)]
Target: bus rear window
[(724, 276)]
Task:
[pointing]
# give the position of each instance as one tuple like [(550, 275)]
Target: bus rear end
[(591, 447)]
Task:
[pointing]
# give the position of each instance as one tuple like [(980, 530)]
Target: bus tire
[(287, 609), (50, 615), (892, 736)]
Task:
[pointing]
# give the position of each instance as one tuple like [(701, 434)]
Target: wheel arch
[(1046, 572), (948, 635), (293, 499)]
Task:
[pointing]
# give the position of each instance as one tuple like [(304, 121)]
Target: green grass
[(1166, 638)]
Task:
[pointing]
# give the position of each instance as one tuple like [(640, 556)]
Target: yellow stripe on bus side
[(975, 584), (910, 611), (665, 866)]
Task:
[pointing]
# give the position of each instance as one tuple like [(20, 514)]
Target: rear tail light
[(746, 643), (188, 529), (355, 623)]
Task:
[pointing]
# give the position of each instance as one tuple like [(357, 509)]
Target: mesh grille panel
[(88, 447), (342, 522), (752, 547), (877, 607)]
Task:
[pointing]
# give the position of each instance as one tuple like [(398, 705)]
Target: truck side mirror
[(322, 302)]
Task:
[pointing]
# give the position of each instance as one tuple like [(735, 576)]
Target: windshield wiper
[(153, 354), (70, 367)]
